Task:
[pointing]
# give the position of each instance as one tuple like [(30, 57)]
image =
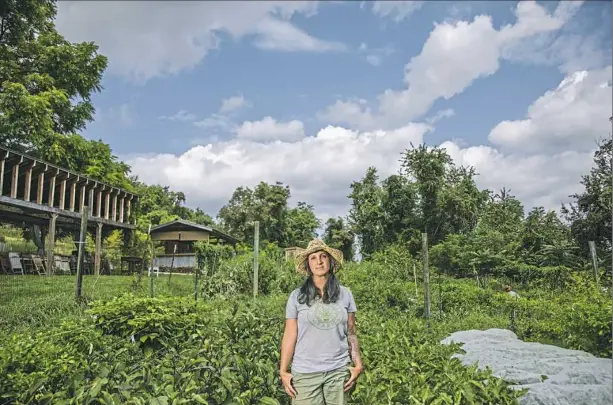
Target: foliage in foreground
[(168, 350)]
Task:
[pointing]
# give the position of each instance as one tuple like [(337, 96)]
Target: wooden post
[(256, 247), (172, 261), (62, 202), (107, 204), (152, 258), (196, 281), (114, 214), (14, 180), (51, 201), (415, 278), (440, 293), (82, 197), (99, 202), (2, 164), (128, 208), (41, 188), (592, 246), (73, 193), (51, 247), (28, 185), (97, 254), (122, 201), (91, 201), (81, 248), (424, 248)]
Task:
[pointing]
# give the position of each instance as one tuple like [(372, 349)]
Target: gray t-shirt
[(322, 332)]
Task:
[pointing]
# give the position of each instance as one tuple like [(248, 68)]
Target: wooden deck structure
[(183, 234), (35, 192)]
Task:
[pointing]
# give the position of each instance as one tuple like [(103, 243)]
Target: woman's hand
[(355, 373), (286, 380)]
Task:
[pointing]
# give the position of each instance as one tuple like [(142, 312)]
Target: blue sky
[(284, 66)]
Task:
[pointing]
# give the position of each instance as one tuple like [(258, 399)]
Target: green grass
[(38, 302)]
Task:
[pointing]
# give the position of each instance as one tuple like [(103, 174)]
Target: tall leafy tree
[(399, 202), (46, 85), (339, 236), (46, 82), (301, 225), (268, 204), (366, 215), (590, 213), (428, 167), (237, 215), (544, 233), (158, 205)]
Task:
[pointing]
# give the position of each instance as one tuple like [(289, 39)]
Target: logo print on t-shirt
[(325, 316)]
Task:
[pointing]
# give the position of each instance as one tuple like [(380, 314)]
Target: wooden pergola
[(35, 192)]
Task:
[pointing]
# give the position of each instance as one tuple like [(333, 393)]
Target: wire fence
[(31, 297)]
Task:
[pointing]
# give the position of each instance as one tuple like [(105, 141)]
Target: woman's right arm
[(290, 335)]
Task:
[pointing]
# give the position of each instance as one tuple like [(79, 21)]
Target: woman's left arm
[(354, 350), (352, 338)]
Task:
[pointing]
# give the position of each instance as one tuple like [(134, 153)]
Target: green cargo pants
[(321, 388)]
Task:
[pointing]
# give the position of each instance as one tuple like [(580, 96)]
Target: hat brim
[(303, 255)]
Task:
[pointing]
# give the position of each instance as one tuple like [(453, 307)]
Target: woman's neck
[(320, 283)]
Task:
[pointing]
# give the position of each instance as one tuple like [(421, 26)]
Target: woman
[(320, 334)]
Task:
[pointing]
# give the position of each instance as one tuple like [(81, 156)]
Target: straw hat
[(317, 245)]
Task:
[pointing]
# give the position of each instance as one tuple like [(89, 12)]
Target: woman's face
[(319, 263)]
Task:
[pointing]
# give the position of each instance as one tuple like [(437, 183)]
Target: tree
[(45, 81), (366, 216), (301, 225), (589, 215), (159, 205), (338, 235), (543, 233), (268, 204), (427, 168), (237, 216), (399, 202)]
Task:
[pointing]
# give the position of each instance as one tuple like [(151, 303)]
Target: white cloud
[(269, 129), (232, 104), (447, 113), (147, 39), (319, 169), (277, 35), (396, 10), (537, 180), (572, 116), (454, 55), (375, 56), (181, 115), (221, 122)]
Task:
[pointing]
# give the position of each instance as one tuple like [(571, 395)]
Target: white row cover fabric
[(554, 376)]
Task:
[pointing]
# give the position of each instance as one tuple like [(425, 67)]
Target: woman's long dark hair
[(308, 291)]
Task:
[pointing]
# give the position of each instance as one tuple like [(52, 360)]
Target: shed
[(182, 235)]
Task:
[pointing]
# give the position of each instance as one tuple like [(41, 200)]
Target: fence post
[(415, 278), (50, 254), (256, 246), (424, 248), (81, 248), (196, 281), (592, 246), (151, 267)]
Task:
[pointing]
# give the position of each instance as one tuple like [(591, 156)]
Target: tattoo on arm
[(352, 338)]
